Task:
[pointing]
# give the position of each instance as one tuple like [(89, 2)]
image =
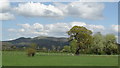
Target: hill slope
[(41, 41)]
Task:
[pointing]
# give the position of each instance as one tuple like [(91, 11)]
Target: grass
[(57, 59), (0, 59)]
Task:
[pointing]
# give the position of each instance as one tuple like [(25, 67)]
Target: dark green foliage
[(82, 36), (110, 44), (81, 41), (66, 49), (98, 43), (73, 46), (31, 50)]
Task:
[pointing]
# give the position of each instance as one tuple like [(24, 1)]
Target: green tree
[(98, 43), (53, 48), (33, 45), (110, 44), (31, 50), (82, 35), (58, 48), (73, 46), (44, 49), (4, 47), (66, 48)]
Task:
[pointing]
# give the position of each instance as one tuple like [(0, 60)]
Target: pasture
[(14, 58)]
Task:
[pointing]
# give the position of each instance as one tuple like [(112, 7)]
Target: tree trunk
[(77, 51)]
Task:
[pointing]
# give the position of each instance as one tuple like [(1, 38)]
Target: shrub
[(31, 52)]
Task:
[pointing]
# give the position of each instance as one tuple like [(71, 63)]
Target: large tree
[(82, 35)]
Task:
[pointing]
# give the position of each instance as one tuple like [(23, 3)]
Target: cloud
[(12, 30), (37, 9), (92, 11), (4, 5), (35, 29), (5, 9), (25, 25), (21, 30), (78, 24), (116, 28), (6, 16), (99, 0), (57, 29), (38, 26), (96, 28)]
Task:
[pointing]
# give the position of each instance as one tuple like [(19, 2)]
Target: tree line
[(84, 41)]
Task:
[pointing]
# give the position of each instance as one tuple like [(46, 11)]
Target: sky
[(32, 19)]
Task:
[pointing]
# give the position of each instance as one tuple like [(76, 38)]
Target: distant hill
[(41, 41)]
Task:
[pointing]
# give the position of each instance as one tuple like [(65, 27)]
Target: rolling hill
[(41, 41)]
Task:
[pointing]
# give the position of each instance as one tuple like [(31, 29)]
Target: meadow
[(14, 58)]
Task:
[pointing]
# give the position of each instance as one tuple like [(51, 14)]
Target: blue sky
[(56, 20)]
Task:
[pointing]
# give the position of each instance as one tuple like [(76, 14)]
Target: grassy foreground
[(44, 59)]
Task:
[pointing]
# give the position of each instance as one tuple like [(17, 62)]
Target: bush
[(31, 52)]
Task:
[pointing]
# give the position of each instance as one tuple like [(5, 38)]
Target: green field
[(57, 59)]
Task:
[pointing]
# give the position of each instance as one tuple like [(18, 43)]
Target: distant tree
[(111, 46), (98, 43), (4, 47), (53, 48), (38, 48), (44, 49), (24, 47), (33, 45), (31, 50), (58, 48), (66, 48), (13, 47), (110, 38), (82, 35)]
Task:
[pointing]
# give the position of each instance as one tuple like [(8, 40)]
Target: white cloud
[(37, 9), (5, 10), (91, 11), (96, 28), (35, 29), (116, 28), (25, 25), (12, 30), (21, 30), (6, 16), (78, 24), (4, 5), (38, 26), (57, 29)]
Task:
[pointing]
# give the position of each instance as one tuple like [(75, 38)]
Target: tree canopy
[(82, 35)]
